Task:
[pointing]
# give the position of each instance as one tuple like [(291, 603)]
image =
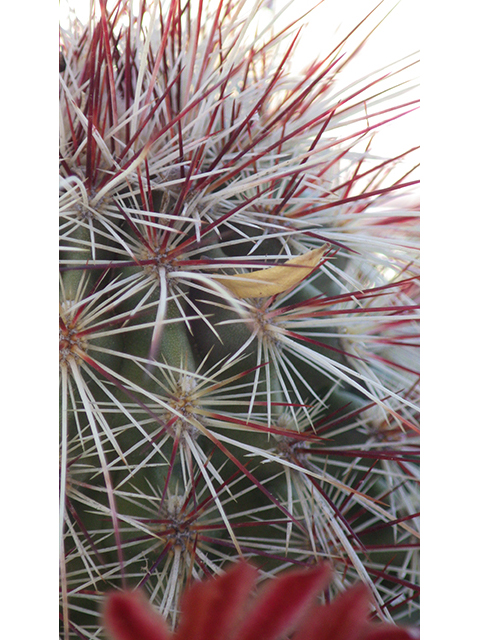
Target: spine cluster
[(239, 290)]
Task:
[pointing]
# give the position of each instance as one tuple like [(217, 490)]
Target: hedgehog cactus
[(238, 311)]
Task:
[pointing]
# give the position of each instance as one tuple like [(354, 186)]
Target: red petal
[(344, 619), (211, 609), (386, 632), (129, 616), (283, 603)]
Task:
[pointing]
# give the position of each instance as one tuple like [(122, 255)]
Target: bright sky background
[(397, 37)]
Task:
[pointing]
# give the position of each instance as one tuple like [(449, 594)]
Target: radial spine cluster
[(239, 293)]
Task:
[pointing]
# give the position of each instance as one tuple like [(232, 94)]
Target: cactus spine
[(238, 313)]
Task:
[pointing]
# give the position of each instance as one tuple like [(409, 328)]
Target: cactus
[(239, 288)]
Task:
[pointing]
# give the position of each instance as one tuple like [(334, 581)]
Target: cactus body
[(209, 412)]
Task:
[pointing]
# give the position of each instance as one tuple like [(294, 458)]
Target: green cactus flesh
[(197, 426)]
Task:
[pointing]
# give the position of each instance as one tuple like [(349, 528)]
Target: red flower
[(220, 609)]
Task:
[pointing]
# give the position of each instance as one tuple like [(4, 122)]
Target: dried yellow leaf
[(269, 282)]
